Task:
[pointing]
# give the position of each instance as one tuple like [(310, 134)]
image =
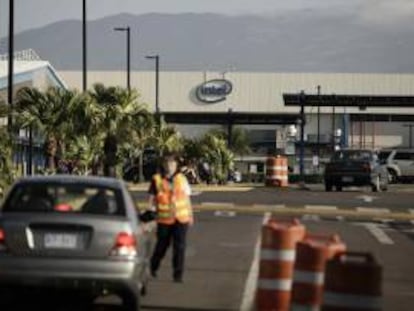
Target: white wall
[(252, 92)]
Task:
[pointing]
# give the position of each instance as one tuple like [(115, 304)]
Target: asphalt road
[(398, 198), (221, 251)]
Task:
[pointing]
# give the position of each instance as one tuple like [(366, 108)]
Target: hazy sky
[(35, 13)]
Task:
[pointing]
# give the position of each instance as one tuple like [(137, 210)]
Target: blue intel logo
[(214, 91)]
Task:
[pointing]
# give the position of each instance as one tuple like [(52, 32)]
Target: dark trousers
[(165, 234)]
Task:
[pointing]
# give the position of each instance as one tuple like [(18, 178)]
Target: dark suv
[(73, 233), (355, 168)]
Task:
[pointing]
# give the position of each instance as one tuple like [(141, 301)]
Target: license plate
[(60, 241), (347, 179)]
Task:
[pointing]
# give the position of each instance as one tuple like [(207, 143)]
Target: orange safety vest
[(172, 202)]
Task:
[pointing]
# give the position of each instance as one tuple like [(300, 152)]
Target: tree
[(216, 153), (48, 113), (6, 151), (166, 139), (240, 144), (121, 114)]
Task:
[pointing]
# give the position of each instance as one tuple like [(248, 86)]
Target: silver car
[(73, 233)]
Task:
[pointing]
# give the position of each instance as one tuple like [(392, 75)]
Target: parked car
[(73, 233), (399, 163), (355, 168)]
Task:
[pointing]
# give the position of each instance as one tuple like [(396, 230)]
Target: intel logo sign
[(214, 91)]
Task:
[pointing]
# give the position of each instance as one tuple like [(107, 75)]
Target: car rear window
[(76, 199), (353, 155)]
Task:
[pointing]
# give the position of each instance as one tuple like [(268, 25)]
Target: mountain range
[(296, 41)]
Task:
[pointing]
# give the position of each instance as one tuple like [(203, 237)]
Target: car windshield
[(76, 199), (352, 155), (383, 155)]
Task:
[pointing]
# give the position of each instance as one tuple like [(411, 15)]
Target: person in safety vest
[(170, 195)]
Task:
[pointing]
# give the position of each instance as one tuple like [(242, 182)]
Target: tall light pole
[(11, 63), (84, 48), (156, 58), (128, 53), (319, 123), (302, 120), (410, 134)]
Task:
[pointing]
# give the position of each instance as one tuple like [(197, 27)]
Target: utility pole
[(410, 134), (333, 128), (84, 48), (230, 128), (156, 58), (319, 123), (128, 54), (11, 65), (302, 120)]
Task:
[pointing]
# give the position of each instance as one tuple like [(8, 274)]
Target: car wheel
[(376, 185), (328, 186), (130, 300), (338, 187), (393, 177)]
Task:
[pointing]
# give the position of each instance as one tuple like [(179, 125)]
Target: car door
[(405, 161)]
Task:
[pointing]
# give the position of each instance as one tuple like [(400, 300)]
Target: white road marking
[(268, 207), (225, 213), (217, 204), (378, 233), (247, 303), (372, 210), (196, 193), (266, 218), (321, 207), (366, 198), (311, 218)]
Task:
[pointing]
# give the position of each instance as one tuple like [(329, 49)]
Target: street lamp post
[(128, 51), (230, 128), (84, 48), (156, 58), (11, 64), (302, 120), (318, 139), (410, 134)]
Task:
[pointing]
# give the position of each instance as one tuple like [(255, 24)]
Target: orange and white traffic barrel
[(353, 282), (277, 172), (277, 260), (312, 255)]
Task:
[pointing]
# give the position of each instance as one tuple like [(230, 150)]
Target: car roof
[(73, 179)]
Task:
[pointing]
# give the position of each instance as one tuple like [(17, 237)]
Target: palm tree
[(121, 111), (48, 113), (166, 139), (240, 144), (216, 153), (141, 138), (83, 151), (6, 165)]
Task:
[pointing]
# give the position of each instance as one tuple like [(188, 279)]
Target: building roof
[(25, 70)]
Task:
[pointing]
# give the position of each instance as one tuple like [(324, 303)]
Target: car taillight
[(2, 240), (125, 245), (366, 167)]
